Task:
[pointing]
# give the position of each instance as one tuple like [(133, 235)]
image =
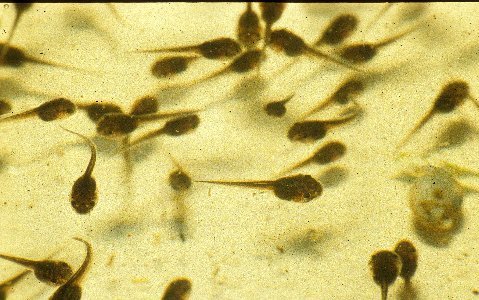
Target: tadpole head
[(5, 107), (409, 257), (275, 109), (53, 272), (144, 106), (247, 61), (170, 66), (451, 96), (97, 110), (14, 57), (339, 29), (288, 42), (179, 181), (67, 292), (307, 131), (271, 11), (181, 125), (220, 48), (56, 109), (358, 54), (84, 194), (116, 124), (297, 188)]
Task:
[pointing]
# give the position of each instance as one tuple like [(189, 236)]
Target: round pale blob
[(436, 199)]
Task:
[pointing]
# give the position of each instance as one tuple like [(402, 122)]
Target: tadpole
[(338, 30), (97, 110), (326, 154), (49, 271), (271, 12), (71, 290), (219, 48), (5, 107), (297, 188), (385, 266), (170, 66), (84, 191), (293, 45), (52, 110), (175, 127), (277, 108), (452, 95), (144, 106), (310, 131), (249, 29)]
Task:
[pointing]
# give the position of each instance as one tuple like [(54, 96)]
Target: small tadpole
[(84, 191), (55, 109), (340, 28), (9, 283), (179, 181), (310, 131), (5, 107), (326, 154), (170, 66), (144, 106), (219, 48), (385, 266), (16, 58), (452, 95), (249, 30), (176, 127), (343, 95), (97, 110), (71, 290), (361, 53), (409, 257), (293, 45), (49, 271), (297, 188), (20, 9), (116, 125), (277, 108), (178, 289), (271, 12)]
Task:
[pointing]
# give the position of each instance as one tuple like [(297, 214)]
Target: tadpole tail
[(395, 38), (115, 13), (20, 116), (318, 107), (296, 166), (475, 101), (12, 281), (378, 16), (192, 48), (384, 291), (418, 126), (147, 136), (91, 164), (251, 184), (164, 115), (329, 58), (60, 66), (86, 263), (21, 261)]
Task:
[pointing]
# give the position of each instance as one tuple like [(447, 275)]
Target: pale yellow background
[(232, 249)]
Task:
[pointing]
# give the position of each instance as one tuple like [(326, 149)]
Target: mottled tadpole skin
[(116, 125), (56, 109), (287, 42), (96, 111), (249, 30), (338, 30), (170, 66), (358, 54), (329, 153), (181, 125), (297, 188), (246, 61), (84, 194), (220, 48), (179, 289), (145, 105), (385, 266), (452, 95), (307, 131)]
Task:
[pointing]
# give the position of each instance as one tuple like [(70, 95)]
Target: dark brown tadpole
[(249, 30), (116, 125), (179, 181), (20, 9), (385, 266), (338, 30), (176, 127), (326, 154), (271, 12), (5, 107), (364, 52), (293, 45), (144, 106), (310, 131), (55, 109), (277, 108), (170, 66), (409, 257), (71, 290), (49, 271), (297, 188), (343, 95), (16, 58), (219, 48), (9, 283), (178, 289), (452, 95), (96, 111), (84, 192)]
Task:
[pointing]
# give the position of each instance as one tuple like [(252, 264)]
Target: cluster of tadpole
[(257, 34)]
